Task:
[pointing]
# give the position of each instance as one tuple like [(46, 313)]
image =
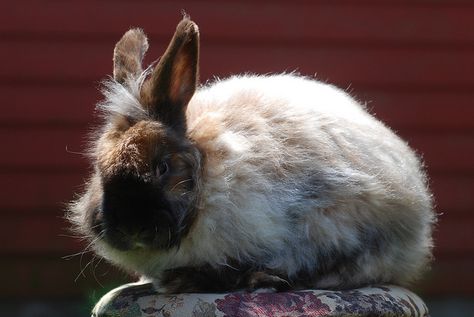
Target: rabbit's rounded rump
[(254, 181)]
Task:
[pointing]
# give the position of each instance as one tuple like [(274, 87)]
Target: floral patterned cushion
[(137, 299)]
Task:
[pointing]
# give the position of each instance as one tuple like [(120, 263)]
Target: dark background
[(411, 61)]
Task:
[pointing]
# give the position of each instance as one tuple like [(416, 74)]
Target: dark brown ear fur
[(128, 55), (174, 79)]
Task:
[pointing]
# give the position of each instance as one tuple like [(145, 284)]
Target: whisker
[(86, 250), (179, 183), (70, 256), (99, 236), (169, 237), (83, 270), (94, 275), (80, 237), (74, 152), (185, 193)]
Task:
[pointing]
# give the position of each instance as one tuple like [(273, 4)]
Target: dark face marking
[(148, 188), (136, 214), (148, 180), (151, 210)]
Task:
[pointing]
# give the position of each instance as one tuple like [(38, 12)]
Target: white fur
[(124, 99)]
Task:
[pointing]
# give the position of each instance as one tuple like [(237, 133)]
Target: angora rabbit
[(275, 181)]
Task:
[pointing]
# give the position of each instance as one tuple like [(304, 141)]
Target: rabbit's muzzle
[(134, 214)]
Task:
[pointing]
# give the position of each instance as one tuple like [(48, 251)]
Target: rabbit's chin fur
[(297, 180)]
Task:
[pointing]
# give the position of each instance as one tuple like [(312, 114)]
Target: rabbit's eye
[(161, 168)]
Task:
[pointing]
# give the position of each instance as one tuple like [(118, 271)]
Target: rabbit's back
[(288, 125), (298, 177)]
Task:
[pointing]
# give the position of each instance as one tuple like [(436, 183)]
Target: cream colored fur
[(295, 171)]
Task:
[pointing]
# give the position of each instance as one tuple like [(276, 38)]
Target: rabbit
[(255, 181)]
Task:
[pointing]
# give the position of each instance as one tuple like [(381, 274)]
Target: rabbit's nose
[(129, 237), (139, 237)]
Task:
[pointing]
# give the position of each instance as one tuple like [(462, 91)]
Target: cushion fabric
[(140, 299)]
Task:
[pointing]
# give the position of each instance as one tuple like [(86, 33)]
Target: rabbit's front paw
[(258, 280)]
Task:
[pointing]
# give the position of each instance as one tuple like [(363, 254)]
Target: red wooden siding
[(410, 61)]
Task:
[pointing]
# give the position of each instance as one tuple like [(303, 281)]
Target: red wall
[(412, 61)]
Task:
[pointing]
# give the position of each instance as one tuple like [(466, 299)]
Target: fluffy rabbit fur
[(253, 181)]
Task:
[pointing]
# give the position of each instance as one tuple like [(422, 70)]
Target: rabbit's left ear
[(174, 79), (128, 55)]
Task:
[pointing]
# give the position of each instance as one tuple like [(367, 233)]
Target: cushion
[(140, 299)]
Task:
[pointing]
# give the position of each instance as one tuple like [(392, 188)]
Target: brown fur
[(173, 81), (131, 150), (128, 55)]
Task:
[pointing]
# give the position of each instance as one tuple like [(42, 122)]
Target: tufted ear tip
[(129, 53), (188, 27)]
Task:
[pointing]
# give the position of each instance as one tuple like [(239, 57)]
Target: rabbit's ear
[(174, 79), (128, 55)]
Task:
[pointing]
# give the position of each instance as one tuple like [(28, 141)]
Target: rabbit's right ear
[(128, 55), (174, 79)]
